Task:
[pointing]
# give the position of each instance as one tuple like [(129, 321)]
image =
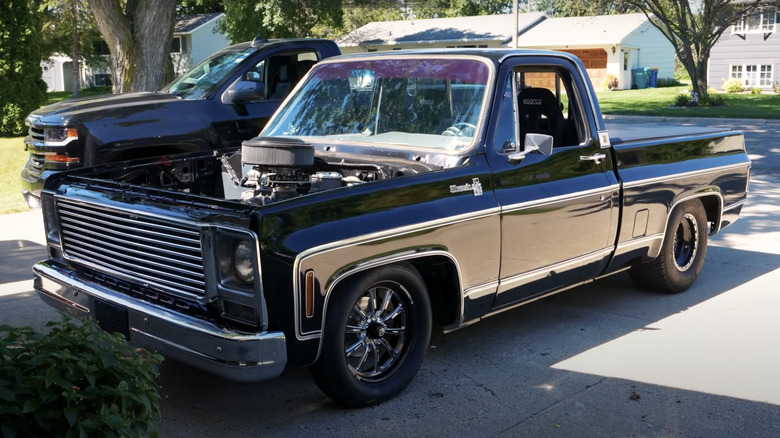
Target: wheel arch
[(438, 270), (711, 199)]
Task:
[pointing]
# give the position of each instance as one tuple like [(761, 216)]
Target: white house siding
[(204, 42), (652, 50), (755, 49)]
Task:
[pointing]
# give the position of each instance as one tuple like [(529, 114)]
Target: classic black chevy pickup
[(390, 192), (219, 103)]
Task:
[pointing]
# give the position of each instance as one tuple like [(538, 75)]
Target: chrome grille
[(144, 249), (36, 132)]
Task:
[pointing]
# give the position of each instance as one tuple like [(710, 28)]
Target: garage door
[(595, 61)]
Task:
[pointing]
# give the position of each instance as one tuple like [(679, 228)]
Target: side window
[(548, 103), (284, 70)]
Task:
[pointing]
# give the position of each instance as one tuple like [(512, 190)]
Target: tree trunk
[(139, 38), (75, 55)]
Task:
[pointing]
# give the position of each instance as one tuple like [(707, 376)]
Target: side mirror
[(540, 143), (245, 91)]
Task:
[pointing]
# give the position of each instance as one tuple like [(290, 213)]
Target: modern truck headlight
[(59, 134), (243, 265)]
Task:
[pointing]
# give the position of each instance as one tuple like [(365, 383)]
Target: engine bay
[(268, 170)]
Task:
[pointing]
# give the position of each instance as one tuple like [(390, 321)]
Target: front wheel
[(682, 254), (377, 329)]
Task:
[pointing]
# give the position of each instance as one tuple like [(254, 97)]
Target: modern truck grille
[(156, 252), (36, 132)]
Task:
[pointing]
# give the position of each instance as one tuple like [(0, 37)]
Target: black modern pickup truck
[(222, 101), (390, 193)]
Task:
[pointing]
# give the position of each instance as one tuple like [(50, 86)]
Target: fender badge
[(474, 186)]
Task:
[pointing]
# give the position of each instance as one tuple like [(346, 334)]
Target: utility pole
[(515, 29)]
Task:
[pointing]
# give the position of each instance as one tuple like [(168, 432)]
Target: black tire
[(682, 254), (377, 330)]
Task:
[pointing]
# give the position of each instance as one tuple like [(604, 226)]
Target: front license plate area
[(112, 318)]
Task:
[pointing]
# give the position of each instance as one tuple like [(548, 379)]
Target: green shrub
[(713, 99), (682, 99), (777, 87), (76, 381), (667, 82), (22, 89), (610, 82), (756, 90), (733, 86)]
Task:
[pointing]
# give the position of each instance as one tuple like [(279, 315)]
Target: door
[(558, 211)]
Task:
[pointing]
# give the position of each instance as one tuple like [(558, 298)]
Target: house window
[(765, 78), (176, 45), (753, 75), (736, 72), (762, 21)]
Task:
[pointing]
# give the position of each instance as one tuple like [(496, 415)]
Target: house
[(194, 39), (749, 51), (607, 45), (478, 31)]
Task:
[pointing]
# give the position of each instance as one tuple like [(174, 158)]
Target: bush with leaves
[(682, 99), (21, 88), (667, 82), (76, 381), (733, 86), (756, 90), (713, 99)]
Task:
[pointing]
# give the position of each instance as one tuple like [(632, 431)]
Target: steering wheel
[(461, 129)]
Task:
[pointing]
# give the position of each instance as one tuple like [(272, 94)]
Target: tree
[(69, 28), (578, 8), (694, 28), (21, 88), (139, 38), (246, 19), (191, 7)]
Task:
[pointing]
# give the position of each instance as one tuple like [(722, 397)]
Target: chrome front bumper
[(227, 353)]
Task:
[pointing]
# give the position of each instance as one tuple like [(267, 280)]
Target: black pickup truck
[(222, 101), (391, 192)]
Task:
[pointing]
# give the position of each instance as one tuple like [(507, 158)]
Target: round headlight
[(242, 262)]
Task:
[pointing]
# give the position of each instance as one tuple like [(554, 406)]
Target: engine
[(284, 168)]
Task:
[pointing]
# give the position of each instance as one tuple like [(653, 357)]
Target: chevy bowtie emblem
[(474, 186)]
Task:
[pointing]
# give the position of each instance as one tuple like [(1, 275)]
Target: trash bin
[(640, 78), (652, 77)]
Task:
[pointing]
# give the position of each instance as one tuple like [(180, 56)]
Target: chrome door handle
[(595, 158)]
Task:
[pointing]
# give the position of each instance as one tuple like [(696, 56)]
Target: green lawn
[(658, 102), (14, 157)]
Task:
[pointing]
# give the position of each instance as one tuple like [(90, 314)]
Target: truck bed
[(620, 133)]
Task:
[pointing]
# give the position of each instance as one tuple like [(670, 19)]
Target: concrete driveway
[(600, 360)]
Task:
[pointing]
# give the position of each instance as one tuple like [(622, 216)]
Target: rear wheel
[(682, 254), (377, 329)]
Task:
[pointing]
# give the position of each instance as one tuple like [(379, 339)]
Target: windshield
[(199, 82), (422, 102)]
